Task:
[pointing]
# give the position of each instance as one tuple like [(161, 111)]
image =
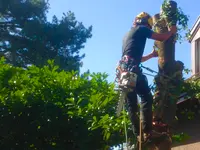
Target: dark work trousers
[(143, 90)]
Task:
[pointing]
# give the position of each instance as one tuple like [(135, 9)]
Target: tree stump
[(165, 101), (169, 75)]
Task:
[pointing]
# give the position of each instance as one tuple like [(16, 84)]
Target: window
[(197, 56)]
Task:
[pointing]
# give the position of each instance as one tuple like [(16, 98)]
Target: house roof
[(195, 28)]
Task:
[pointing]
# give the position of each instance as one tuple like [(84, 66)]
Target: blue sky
[(111, 19)]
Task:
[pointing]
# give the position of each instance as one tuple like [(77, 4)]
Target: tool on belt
[(126, 69), (126, 79)]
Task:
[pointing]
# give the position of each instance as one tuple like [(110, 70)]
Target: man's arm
[(164, 36), (154, 53)]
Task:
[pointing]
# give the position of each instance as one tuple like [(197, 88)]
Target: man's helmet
[(144, 18)]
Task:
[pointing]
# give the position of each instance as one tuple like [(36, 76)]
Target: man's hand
[(154, 53), (172, 29), (164, 36)]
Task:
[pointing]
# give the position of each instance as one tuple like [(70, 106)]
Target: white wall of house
[(195, 47)]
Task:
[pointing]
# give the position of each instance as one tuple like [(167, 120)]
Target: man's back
[(134, 42)]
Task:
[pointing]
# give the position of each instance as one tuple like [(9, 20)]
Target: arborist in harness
[(133, 48)]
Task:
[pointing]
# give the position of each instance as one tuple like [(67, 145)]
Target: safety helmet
[(144, 18)]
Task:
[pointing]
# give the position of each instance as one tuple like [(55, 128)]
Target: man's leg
[(144, 92), (132, 107)]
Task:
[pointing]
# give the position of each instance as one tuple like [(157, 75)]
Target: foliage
[(43, 108), (179, 138), (27, 37), (179, 16), (192, 88)]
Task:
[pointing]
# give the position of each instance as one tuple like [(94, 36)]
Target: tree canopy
[(27, 37)]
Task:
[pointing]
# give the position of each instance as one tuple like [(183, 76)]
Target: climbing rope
[(149, 74), (152, 71)]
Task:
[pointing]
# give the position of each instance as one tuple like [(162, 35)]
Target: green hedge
[(43, 108)]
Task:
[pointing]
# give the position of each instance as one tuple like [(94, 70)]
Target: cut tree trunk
[(169, 76), (169, 69)]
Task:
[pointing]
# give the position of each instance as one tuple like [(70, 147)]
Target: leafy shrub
[(42, 108), (179, 138)]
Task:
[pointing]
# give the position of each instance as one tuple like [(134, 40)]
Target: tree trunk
[(169, 69)]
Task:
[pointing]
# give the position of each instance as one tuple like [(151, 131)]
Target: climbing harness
[(125, 76), (126, 79)]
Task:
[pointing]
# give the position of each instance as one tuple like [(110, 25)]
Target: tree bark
[(169, 69)]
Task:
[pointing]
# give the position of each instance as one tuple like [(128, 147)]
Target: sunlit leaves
[(178, 138), (56, 106), (179, 16)]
